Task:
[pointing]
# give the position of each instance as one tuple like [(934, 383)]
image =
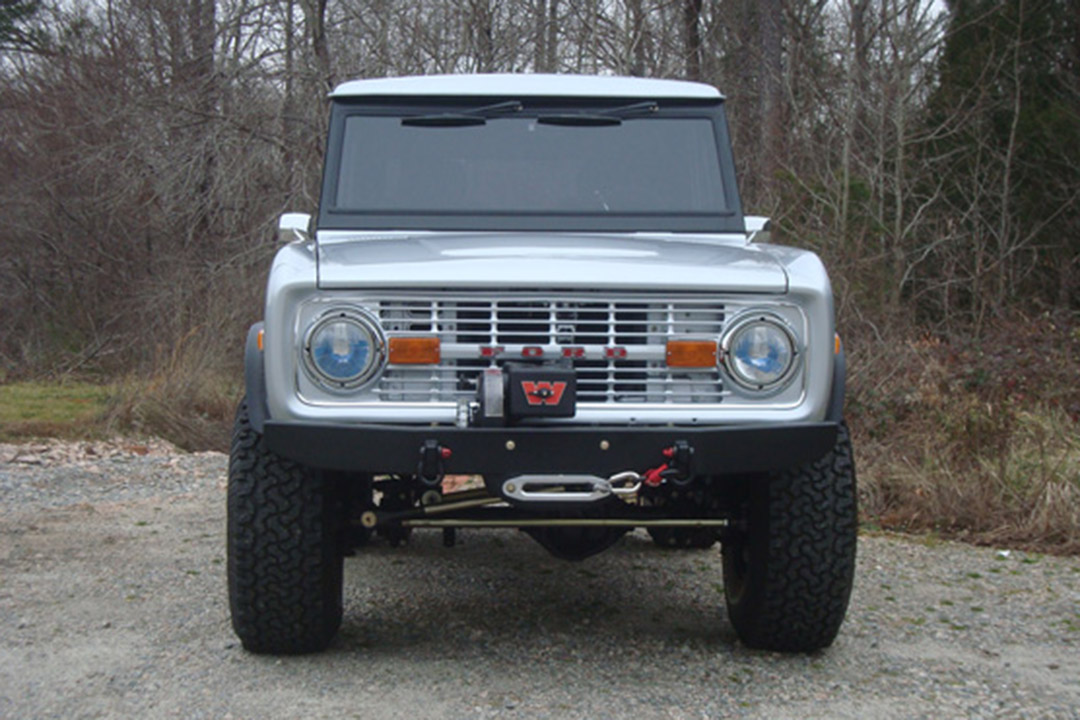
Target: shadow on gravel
[(498, 592)]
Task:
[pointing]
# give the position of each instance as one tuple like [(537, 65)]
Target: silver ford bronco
[(547, 282)]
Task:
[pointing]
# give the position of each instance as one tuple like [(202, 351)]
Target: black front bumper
[(519, 450)]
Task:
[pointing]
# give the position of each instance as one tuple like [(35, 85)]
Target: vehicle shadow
[(497, 591)]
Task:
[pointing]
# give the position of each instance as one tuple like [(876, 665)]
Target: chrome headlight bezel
[(741, 324), (368, 325)]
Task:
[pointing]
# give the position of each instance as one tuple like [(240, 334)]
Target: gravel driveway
[(112, 604)]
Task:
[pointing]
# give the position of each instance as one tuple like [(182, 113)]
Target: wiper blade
[(612, 116), (477, 116)]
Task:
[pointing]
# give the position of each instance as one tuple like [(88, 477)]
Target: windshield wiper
[(477, 116), (612, 116)]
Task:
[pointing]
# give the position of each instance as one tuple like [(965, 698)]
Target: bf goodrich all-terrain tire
[(285, 555), (788, 575)]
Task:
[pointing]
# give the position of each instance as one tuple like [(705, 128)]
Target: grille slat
[(638, 328)]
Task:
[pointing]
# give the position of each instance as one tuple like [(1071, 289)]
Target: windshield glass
[(522, 165)]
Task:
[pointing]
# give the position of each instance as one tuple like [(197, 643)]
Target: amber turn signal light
[(414, 350), (691, 353)]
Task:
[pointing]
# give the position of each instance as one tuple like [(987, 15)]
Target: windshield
[(521, 165), (528, 165)]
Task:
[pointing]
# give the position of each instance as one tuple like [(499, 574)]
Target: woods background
[(929, 152)]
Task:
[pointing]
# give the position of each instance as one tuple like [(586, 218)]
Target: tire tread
[(803, 536), (284, 552)]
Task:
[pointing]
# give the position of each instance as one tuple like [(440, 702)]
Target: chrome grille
[(616, 346)]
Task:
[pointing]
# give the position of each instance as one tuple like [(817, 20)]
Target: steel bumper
[(517, 450)]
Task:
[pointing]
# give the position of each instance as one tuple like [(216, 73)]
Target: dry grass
[(1025, 491), (968, 444), (189, 399)]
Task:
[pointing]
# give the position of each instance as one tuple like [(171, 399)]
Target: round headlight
[(759, 353), (343, 348)]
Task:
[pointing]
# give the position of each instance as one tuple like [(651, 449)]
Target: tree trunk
[(203, 84), (552, 44), (315, 29), (770, 17), (288, 104), (692, 33)]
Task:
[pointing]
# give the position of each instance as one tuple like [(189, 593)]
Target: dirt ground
[(116, 607)]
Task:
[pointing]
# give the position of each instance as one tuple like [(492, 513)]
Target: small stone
[(106, 625)]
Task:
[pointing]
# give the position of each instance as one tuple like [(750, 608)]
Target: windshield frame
[(332, 218)]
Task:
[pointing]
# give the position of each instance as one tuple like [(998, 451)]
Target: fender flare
[(255, 380), (835, 410)]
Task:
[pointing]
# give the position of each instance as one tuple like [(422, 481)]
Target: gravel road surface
[(112, 604)]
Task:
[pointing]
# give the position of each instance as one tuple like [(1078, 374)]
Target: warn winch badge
[(540, 391), (543, 392)]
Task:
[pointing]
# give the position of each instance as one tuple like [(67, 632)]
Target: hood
[(539, 261)]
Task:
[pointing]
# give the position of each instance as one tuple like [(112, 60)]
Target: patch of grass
[(192, 411), (1022, 489), (71, 410), (188, 397), (971, 438)]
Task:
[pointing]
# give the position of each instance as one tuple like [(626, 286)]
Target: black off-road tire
[(788, 574), (285, 554)]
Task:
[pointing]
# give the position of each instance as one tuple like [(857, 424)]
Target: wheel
[(285, 558), (788, 574), (683, 538)]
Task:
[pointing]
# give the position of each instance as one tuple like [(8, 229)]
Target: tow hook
[(430, 470), (677, 468)]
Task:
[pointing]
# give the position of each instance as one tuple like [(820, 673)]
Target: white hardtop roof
[(523, 85)]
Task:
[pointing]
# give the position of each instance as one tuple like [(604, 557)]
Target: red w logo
[(543, 393)]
